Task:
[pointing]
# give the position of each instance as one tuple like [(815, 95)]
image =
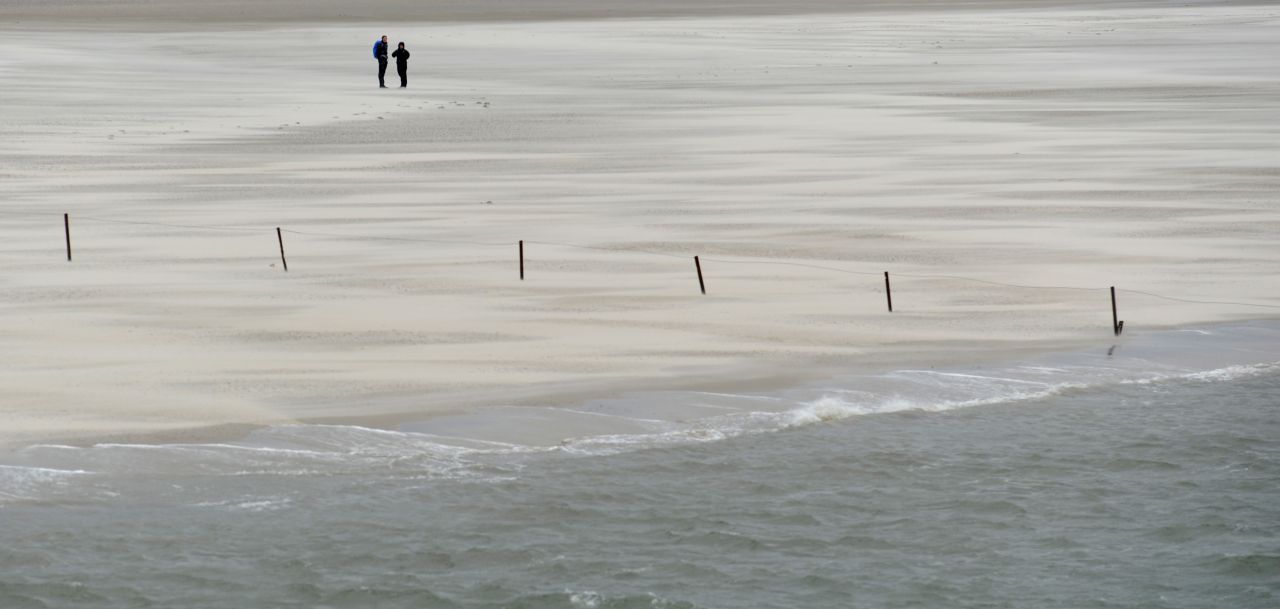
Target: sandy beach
[(1006, 164), (166, 13)]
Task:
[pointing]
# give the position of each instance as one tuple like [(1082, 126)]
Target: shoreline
[(502, 410), (748, 377)]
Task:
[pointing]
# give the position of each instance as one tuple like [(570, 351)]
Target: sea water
[(1140, 474)]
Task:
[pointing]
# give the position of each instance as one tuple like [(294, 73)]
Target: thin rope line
[(998, 283), (644, 252), (406, 239), (795, 264), (239, 229), (1176, 299), (609, 249), (31, 214), (139, 223)]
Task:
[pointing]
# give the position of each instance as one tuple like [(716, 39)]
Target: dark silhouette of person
[(380, 53), (402, 64)]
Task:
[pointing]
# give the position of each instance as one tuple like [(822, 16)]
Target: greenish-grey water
[(1155, 490)]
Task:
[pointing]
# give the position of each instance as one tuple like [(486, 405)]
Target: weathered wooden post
[(698, 265), (280, 238), (887, 293), (522, 260), (66, 227), (1116, 324)]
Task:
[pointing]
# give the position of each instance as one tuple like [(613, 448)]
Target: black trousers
[(404, 74), (382, 71)]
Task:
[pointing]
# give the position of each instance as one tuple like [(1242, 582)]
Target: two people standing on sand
[(402, 62)]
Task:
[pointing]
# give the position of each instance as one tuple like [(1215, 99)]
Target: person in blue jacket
[(380, 53)]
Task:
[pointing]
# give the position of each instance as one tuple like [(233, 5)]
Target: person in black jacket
[(402, 64), (380, 53)]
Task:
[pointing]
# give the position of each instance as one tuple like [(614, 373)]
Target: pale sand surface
[(1136, 148), (207, 12)]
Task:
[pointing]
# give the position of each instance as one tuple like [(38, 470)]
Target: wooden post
[(887, 293), (698, 265), (280, 238), (66, 227), (1116, 324), (522, 260)]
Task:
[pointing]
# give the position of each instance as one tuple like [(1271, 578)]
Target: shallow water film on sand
[(1124, 487)]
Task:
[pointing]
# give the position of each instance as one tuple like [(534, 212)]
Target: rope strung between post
[(628, 250)]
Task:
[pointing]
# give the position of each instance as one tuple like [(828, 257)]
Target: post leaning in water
[(1116, 324), (66, 228)]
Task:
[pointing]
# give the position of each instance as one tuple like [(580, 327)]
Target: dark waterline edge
[(745, 380)]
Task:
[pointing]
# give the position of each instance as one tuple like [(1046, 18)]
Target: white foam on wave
[(586, 599), (263, 504), (23, 473), (286, 450), (26, 483), (1218, 375), (608, 444), (590, 599), (913, 390), (834, 405), (834, 408)]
